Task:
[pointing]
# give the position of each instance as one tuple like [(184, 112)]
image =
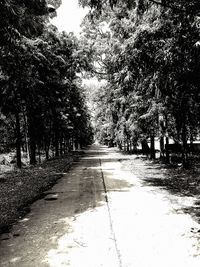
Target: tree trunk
[(134, 144), (120, 145), (18, 140), (26, 135), (31, 134), (32, 150), (47, 152), (185, 161), (73, 144), (39, 154), (61, 147), (124, 145), (127, 145), (152, 150), (167, 140), (145, 147), (56, 145), (65, 146), (131, 145), (32, 143), (167, 149), (162, 146)]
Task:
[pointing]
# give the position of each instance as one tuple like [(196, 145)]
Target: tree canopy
[(148, 52), (40, 96)]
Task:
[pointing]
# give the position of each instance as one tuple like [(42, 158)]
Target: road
[(100, 214)]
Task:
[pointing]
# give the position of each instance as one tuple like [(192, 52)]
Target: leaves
[(42, 85), (151, 59)]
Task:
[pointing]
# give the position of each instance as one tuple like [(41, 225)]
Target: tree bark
[(26, 135), (152, 150), (145, 147), (162, 146), (32, 150), (167, 141), (39, 153), (167, 149), (61, 147), (127, 145), (120, 145), (185, 161), (31, 134), (32, 143), (18, 140), (56, 144), (47, 152)]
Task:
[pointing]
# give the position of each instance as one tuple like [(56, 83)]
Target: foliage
[(40, 90), (150, 57)]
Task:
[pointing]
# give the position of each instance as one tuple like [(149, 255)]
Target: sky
[(69, 16)]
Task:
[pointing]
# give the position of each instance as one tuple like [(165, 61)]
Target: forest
[(145, 55), (42, 106), (148, 53), (100, 134)]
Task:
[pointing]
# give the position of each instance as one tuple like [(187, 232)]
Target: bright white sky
[(69, 16)]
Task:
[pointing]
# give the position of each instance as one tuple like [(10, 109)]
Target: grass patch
[(20, 188)]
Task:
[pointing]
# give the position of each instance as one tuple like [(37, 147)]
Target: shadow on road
[(183, 183), (77, 202)]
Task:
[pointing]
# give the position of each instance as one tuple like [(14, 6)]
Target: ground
[(20, 188), (110, 210)]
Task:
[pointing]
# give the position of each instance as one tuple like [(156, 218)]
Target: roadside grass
[(20, 188)]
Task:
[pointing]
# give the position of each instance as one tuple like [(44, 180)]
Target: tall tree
[(151, 53)]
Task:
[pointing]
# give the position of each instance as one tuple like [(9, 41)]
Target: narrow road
[(100, 214)]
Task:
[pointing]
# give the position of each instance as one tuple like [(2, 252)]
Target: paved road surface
[(100, 214)]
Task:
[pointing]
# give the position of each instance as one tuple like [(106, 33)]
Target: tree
[(38, 67), (151, 52)]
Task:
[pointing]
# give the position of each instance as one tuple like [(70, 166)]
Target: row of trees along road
[(41, 102), (149, 54)]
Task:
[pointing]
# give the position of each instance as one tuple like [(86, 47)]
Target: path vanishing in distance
[(100, 214)]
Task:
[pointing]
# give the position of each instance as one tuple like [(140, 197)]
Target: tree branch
[(99, 73), (173, 7)]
